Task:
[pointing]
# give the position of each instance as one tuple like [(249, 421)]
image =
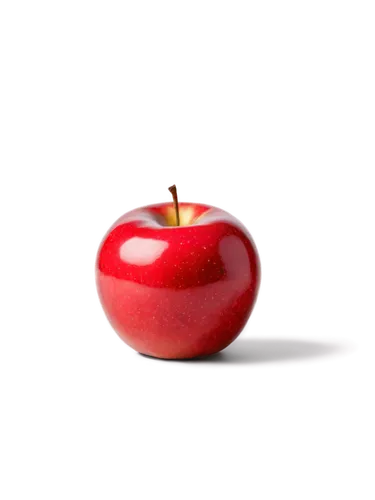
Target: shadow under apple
[(253, 351)]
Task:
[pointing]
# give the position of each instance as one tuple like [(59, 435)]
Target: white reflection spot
[(142, 251)]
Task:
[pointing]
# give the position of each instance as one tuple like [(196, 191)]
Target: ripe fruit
[(177, 291)]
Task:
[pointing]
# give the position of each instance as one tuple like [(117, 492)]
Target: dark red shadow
[(253, 352)]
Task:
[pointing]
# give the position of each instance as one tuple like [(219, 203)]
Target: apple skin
[(177, 292)]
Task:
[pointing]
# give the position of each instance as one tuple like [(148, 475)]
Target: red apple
[(177, 291)]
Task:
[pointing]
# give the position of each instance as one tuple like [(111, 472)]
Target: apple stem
[(173, 190)]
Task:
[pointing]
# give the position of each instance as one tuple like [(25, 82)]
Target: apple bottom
[(176, 324), (261, 352)]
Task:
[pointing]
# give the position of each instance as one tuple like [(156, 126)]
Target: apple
[(177, 280)]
